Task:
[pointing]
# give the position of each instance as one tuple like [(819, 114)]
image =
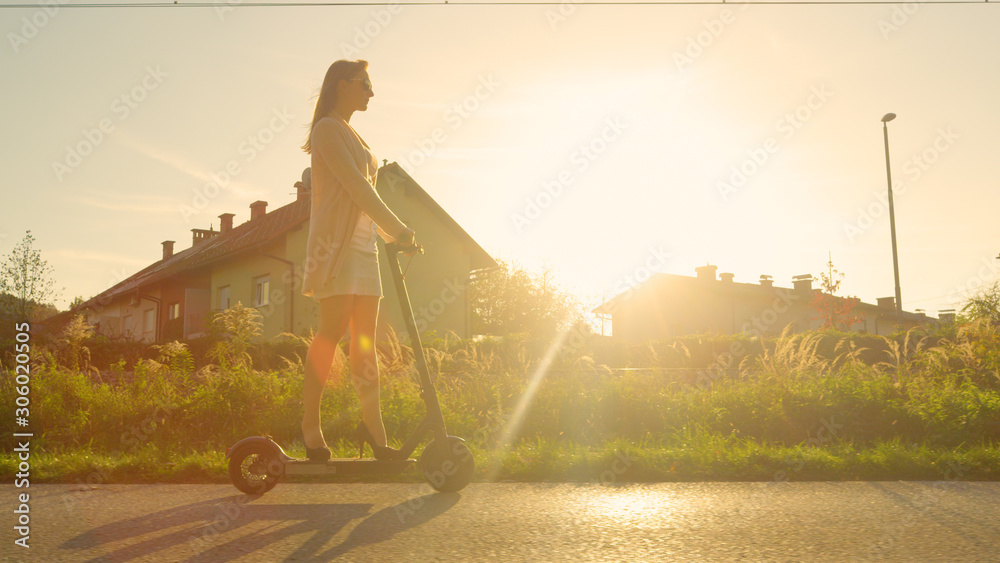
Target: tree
[(25, 280), (508, 299), (837, 313), (984, 304)]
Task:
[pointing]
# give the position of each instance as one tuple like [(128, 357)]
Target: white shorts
[(359, 275)]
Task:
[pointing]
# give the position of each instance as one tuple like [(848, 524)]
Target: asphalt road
[(793, 521)]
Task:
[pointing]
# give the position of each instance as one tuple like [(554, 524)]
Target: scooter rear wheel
[(255, 469), (449, 468)]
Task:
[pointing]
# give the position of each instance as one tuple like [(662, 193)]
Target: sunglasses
[(366, 82)]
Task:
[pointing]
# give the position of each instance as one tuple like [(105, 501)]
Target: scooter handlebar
[(407, 250)]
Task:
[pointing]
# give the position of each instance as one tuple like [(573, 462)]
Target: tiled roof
[(249, 235), (747, 290)]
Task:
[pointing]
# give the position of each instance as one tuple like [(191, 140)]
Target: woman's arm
[(405, 238), (329, 142)]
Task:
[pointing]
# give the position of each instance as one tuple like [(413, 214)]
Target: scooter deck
[(346, 466)]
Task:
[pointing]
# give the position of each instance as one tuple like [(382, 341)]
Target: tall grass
[(843, 392)]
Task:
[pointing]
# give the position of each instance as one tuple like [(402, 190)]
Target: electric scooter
[(258, 463)]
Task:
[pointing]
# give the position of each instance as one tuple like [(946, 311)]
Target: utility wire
[(239, 4)]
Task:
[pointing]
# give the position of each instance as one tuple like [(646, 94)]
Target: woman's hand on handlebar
[(413, 248), (405, 238), (408, 244)]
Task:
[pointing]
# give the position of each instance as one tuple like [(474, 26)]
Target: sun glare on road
[(632, 505), (623, 506)]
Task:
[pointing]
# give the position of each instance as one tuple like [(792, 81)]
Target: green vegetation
[(817, 405)]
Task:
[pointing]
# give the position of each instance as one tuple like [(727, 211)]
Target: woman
[(341, 270)]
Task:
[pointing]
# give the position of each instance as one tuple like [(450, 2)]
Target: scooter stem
[(428, 393)]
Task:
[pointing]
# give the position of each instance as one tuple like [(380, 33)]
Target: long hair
[(340, 70)]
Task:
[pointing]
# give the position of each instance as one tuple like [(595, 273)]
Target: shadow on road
[(212, 528), (388, 522)]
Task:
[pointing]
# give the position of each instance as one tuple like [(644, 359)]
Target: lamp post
[(892, 216)]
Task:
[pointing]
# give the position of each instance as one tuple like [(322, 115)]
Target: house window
[(148, 321), (262, 291), (224, 297), (173, 311)]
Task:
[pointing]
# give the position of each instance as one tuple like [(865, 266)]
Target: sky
[(604, 141)]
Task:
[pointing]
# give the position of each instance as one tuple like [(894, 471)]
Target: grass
[(798, 407), (545, 460)]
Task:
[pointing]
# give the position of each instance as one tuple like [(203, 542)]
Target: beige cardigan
[(344, 171)]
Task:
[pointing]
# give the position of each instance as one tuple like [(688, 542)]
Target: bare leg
[(364, 364), (334, 316)]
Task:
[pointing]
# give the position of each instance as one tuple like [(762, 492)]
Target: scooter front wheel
[(448, 467), (255, 469)]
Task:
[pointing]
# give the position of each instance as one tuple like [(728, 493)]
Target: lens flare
[(514, 422)]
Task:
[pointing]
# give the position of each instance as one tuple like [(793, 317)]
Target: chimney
[(199, 236), (225, 223), (257, 209), (305, 186), (727, 277), (766, 280), (887, 303), (803, 282), (168, 249), (706, 272), (303, 191)]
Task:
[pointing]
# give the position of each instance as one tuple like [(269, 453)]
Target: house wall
[(438, 280), (116, 316), (670, 307), (108, 319), (306, 308), (241, 273)]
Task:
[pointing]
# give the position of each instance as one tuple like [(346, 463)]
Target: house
[(670, 305), (259, 263)]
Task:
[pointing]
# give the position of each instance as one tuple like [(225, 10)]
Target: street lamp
[(892, 216)]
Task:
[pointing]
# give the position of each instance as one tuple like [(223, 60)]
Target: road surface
[(792, 521)]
